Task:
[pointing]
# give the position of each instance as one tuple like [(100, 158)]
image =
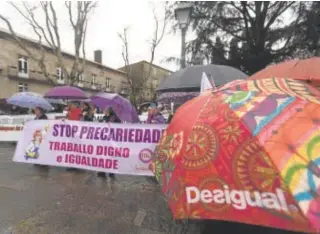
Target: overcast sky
[(108, 19)]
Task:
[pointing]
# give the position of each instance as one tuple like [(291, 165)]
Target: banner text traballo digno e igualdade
[(114, 148)]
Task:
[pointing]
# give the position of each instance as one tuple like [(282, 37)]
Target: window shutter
[(25, 66), (20, 65)]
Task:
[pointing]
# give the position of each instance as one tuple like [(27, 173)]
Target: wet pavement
[(35, 200), (56, 201)]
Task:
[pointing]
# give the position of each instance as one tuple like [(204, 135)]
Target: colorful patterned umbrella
[(306, 70), (248, 153)]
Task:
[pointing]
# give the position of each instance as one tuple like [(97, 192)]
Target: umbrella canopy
[(306, 69), (66, 92), (56, 101), (145, 105), (247, 153), (29, 100), (121, 106), (176, 97), (189, 79)]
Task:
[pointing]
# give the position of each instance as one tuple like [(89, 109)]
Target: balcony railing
[(89, 85), (110, 89)]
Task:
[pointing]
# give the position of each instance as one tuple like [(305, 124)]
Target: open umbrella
[(176, 97), (29, 100), (56, 101), (189, 79), (66, 92), (121, 106), (306, 70), (246, 153)]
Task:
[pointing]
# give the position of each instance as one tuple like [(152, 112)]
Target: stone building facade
[(155, 74), (20, 73)]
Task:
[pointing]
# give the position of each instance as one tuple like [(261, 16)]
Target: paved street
[(34, 200)]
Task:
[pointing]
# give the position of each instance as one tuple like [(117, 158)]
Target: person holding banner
[(74, 112), (154, 115), (109, 117), (87, 113), (39, 115)]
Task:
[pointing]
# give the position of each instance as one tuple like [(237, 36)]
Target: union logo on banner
[(145, 155)]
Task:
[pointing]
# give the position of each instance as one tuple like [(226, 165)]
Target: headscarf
[(154, 116)]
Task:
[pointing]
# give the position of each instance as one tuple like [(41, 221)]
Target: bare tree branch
[(137, 84), (125, 54), (40, 60)]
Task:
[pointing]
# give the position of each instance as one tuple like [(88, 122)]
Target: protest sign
[(113, 148)]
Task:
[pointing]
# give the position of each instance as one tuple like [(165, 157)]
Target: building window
[(59, 75), (22, 87), (154, 71), (113, 88), (155, 83), (124, 91), (93, 79), (23, 65), (108, 83), (80, 78)]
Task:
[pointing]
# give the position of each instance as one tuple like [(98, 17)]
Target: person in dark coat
[(87, 113), (170, 118), (40, 115), (109, 117), (155, 116)]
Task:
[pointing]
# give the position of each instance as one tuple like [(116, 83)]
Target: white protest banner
[(113, 148)]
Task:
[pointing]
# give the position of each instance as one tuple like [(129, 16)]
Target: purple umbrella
[(66, 92), (121, 106)]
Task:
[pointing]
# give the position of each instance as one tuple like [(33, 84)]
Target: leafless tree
[(139, 83), (48, 34)]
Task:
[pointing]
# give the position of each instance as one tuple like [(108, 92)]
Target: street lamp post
[(317, 25), (183, 15), (318, 41)]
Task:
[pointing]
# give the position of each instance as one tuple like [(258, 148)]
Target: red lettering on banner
[(63, 146), (91, 161), (11, 129), (71, 147), (115, 164), (51, 145), (84, 161), (101, 163), (112, 151)]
